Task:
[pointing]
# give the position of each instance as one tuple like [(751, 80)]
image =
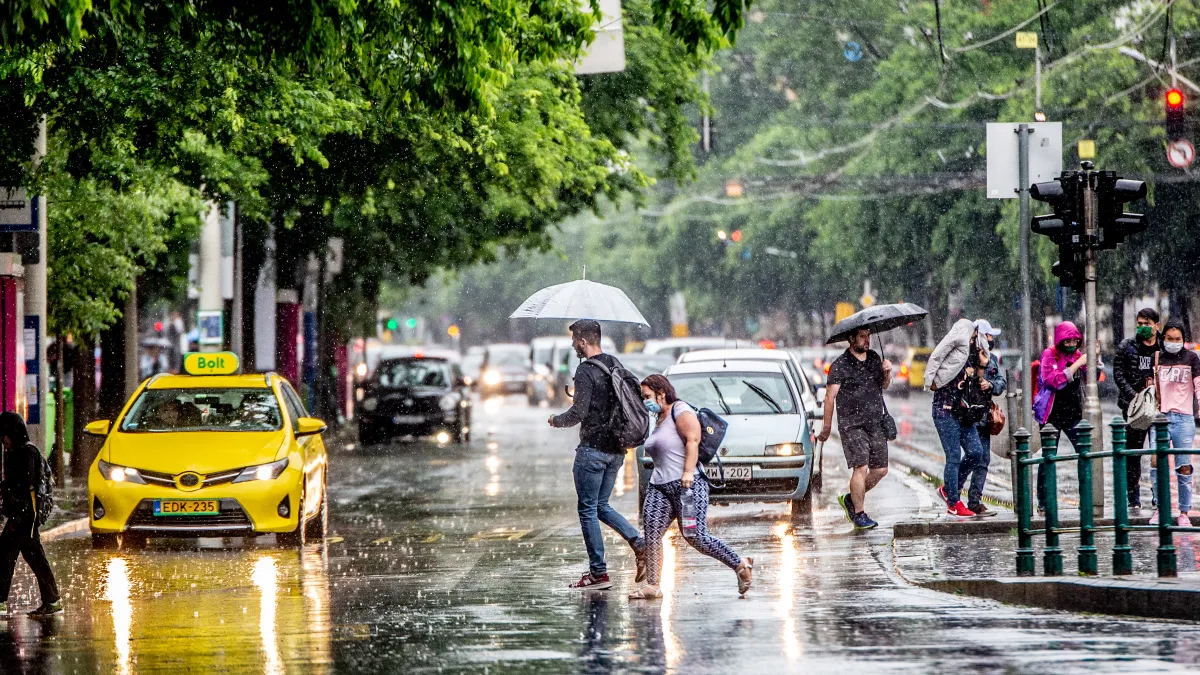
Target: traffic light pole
[(1091, 401), (1025, 421)]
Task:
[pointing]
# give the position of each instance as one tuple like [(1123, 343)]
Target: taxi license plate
[(186, 507), (408, 419), (731, 472)]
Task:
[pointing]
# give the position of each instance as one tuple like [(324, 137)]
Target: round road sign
[(1181, 153)]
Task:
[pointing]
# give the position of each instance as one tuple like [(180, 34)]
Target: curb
[(65, 530), (1158, 599), (921, 528)]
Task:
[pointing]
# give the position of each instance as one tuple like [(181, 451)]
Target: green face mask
[(1069, 349), (1144, 332)]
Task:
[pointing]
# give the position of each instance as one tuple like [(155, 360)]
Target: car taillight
[(904, 370), (827, 368)]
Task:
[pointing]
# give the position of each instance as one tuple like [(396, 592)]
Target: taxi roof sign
[(211, 363)]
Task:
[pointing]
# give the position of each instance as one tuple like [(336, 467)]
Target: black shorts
[(865, 446)]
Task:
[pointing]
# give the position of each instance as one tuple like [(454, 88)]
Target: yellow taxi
[(209, 453)]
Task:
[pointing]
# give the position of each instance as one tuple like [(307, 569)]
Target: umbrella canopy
[(581, 299), (879, 318)]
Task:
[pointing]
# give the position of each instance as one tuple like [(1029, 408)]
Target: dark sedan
[(415, 396)]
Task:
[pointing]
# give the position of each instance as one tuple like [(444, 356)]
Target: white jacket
[(951, 354)]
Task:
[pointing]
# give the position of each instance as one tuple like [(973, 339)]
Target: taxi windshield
[(159, 410)]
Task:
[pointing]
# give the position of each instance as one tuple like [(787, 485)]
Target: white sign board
[(606, 54), (1045, 156), (17, 212), (1181, 153)]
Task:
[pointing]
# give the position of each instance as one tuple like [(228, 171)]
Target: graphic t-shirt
[(1178, 381)]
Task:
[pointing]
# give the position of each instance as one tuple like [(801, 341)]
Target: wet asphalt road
[(456, 559)]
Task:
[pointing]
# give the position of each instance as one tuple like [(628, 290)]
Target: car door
[(312, 451)]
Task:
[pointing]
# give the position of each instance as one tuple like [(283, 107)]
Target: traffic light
[(1175, 101), (410, 323), (1112, 223), (391, 324), (1065, 226)]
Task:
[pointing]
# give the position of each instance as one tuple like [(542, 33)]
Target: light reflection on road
[(266, 579), (672, 648), (789, 564), (117, 592)]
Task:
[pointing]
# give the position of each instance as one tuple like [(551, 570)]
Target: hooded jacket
[(20, 470), (1052, 374), (950, 355)]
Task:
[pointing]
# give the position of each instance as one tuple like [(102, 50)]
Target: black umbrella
[(878, 319)]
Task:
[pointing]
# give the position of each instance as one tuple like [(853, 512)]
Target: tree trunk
[(112, 370), (60, 412), (84, 394)]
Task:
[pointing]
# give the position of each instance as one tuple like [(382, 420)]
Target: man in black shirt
[(598, 458), (1133, 371), (856, 383), (21, 471)]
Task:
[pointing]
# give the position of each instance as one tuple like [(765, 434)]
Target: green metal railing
[(1122, 556)]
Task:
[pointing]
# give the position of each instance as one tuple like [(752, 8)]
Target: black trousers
[(21, 537), (1135, 439)]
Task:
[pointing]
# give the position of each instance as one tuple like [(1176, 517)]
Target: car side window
[(295, 407)]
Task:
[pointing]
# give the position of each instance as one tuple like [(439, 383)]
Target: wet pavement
[(456, 559)]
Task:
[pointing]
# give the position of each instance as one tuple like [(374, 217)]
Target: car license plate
[(186, 507), (731, 472), (408, 419)]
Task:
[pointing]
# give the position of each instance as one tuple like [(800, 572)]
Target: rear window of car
[(736, 393), (413, 373), (920, 357), (166, 410)]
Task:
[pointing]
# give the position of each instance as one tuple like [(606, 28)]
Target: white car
[(768, 453), (808, 392), (677, 347)]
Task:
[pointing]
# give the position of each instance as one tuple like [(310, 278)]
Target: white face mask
[(1173, 347)]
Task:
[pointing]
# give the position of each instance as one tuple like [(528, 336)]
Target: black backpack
[(43, 491), (629, 422), (712, 432)]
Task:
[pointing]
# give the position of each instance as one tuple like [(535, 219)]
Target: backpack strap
[(600, 364)]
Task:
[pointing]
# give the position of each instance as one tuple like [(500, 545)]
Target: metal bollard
[(1052, 560), (1167, 563), (1088, 563), (1026, 566), (1122, 557)]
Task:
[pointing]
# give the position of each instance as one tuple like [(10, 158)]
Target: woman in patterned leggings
[(674, 447)]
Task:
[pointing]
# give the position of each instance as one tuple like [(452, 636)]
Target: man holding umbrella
[(857, 379)]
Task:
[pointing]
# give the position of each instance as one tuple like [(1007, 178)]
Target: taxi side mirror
[(309, 426), (98, 428)]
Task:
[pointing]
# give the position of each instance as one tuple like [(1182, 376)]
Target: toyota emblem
[(189, 480)]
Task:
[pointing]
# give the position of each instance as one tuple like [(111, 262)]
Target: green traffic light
[(411, 323), (391, 324)]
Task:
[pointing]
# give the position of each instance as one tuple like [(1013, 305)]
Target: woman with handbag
[(674, 445), (994, 382), (958, 409)]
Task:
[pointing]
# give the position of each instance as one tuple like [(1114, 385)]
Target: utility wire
[(1001, 36)]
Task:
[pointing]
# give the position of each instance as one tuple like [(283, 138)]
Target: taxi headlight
[(369, 404), (119, 474), (262, 471), (448, 402), (491, 378), (782, 450)]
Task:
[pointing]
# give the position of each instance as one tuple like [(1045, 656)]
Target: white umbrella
[(581, 299)]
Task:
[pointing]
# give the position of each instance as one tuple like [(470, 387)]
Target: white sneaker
[(1154, 517), (1183, 520)]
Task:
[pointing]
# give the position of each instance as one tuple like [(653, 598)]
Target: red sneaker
[(590, 582), (959, 509)]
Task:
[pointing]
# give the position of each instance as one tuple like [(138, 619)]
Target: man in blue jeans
[(598, 458)]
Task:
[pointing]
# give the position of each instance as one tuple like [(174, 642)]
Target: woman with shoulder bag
[(958, 409), (674, 447), (993, 383)]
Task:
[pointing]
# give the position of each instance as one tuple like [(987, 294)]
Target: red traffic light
[(158, 326), (1174, 98), (736, 236)]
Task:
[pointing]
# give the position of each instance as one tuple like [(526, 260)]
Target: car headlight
[(119, 474), (262, 471), (448, 402), (370, 403), (782, 450), (491, 377)]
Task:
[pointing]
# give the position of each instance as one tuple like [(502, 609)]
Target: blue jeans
[(595, 474), (964, 455), (1181, 428), (1072, 436)]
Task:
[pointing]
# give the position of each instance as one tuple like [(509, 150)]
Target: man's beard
[(857, 349), (580, 353)]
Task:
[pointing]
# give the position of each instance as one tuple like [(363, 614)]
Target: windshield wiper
[(724, 405), (764, 396)]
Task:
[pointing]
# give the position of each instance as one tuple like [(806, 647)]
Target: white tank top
[(667, 449)]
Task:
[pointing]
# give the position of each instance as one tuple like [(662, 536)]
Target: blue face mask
[(652, 406)]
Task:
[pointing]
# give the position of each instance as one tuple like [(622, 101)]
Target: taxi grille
[(168, 480), (231, 517)]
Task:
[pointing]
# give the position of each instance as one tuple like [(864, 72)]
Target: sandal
[(744, 573), (646, 593)]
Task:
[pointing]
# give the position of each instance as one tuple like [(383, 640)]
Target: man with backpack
[(607, 426), (1133, 371), (23, 481)]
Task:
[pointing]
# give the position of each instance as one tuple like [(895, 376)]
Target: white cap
[(984, 328)]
